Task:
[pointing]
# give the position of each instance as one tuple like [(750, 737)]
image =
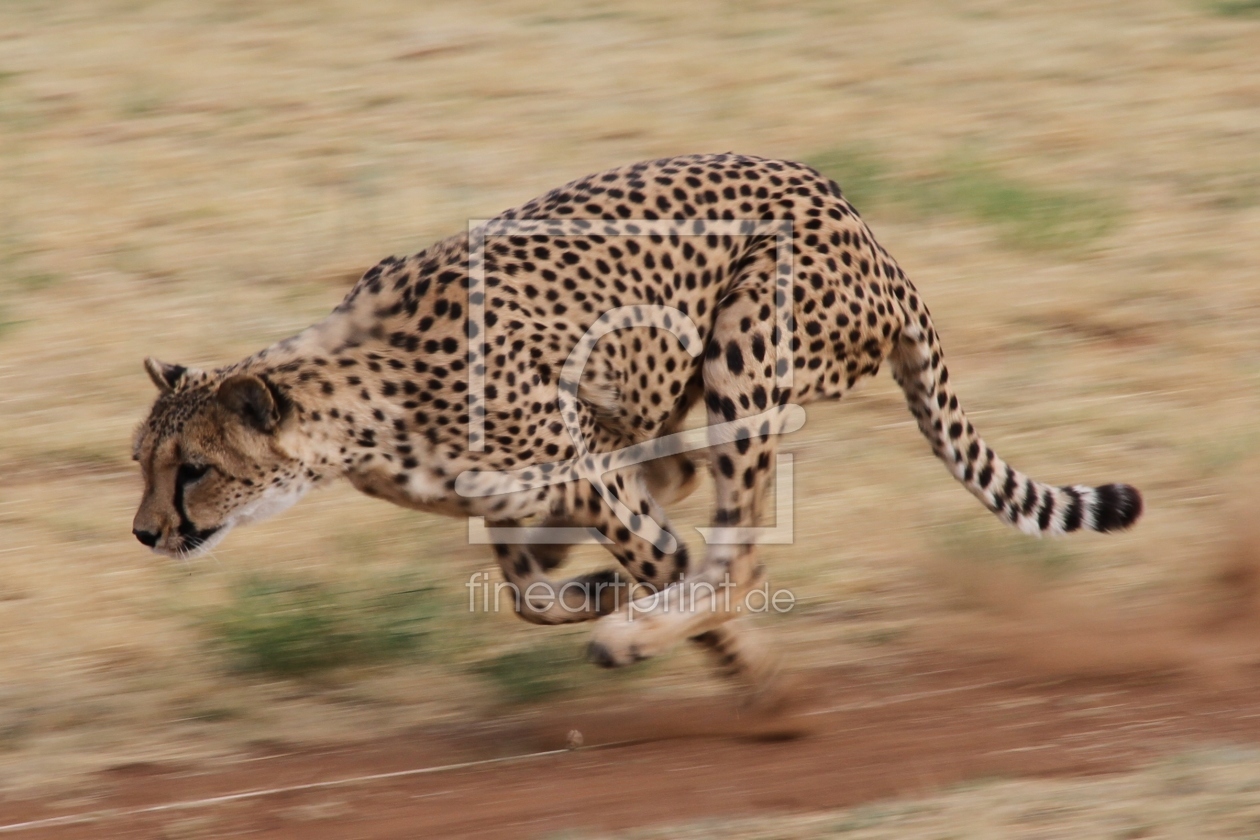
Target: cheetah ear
[(250, 398), (167, 378)]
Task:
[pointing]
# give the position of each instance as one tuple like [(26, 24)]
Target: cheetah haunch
[(444, 382)]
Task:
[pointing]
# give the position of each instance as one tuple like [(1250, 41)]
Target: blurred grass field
[(1074, 187), (1205, 793)]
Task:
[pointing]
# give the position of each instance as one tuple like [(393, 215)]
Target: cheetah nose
[(148, 538)]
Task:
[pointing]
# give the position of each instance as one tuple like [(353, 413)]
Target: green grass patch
[(864, 177), (142, 99), (1026, 216), (292, 628), (1236, 8), (535, 673), (984, 543), (8, 324), (1222, 454), (552, 663), (37, 281)]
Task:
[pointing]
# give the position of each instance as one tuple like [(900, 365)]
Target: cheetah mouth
[(193, 542), (198, 539)]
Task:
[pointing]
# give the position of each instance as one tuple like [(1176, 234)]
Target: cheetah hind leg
[(736, 648), (741, 391), (739, 652), (675, 477)]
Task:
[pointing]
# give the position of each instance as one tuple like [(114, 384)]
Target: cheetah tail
[(1029, 505)]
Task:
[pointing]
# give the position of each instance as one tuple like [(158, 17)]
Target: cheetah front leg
[(736, 651), (540, 600), (636, 543)]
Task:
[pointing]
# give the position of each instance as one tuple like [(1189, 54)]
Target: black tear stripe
[(193, 536)]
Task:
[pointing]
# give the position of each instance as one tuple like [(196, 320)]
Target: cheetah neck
[(342, 426)]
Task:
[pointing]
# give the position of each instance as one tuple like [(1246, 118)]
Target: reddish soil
[(854, 735)]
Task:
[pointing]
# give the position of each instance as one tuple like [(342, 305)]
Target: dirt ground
[(1049, 689), (1075, 189), (902, 729)]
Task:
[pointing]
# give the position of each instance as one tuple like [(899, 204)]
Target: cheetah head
[(213, 455)]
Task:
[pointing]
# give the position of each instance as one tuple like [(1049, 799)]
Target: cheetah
[(446, 381)]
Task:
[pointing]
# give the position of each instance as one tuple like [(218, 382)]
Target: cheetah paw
[(617, 642)]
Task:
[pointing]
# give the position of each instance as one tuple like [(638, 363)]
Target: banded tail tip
[(1116, 507)]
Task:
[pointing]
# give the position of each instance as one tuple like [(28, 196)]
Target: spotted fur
[(379, 392)]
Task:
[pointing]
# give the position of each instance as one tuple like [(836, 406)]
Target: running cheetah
[(506, 372)]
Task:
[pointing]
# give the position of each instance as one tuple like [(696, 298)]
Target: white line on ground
[(115, 813), (188, 804)]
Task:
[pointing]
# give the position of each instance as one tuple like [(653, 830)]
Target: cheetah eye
[(188, 473)]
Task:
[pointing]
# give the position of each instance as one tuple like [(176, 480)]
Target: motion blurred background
[(1073, 186)]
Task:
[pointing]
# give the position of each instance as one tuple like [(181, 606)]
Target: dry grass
[(1206, 794), (198, 180), (1024, 215)]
